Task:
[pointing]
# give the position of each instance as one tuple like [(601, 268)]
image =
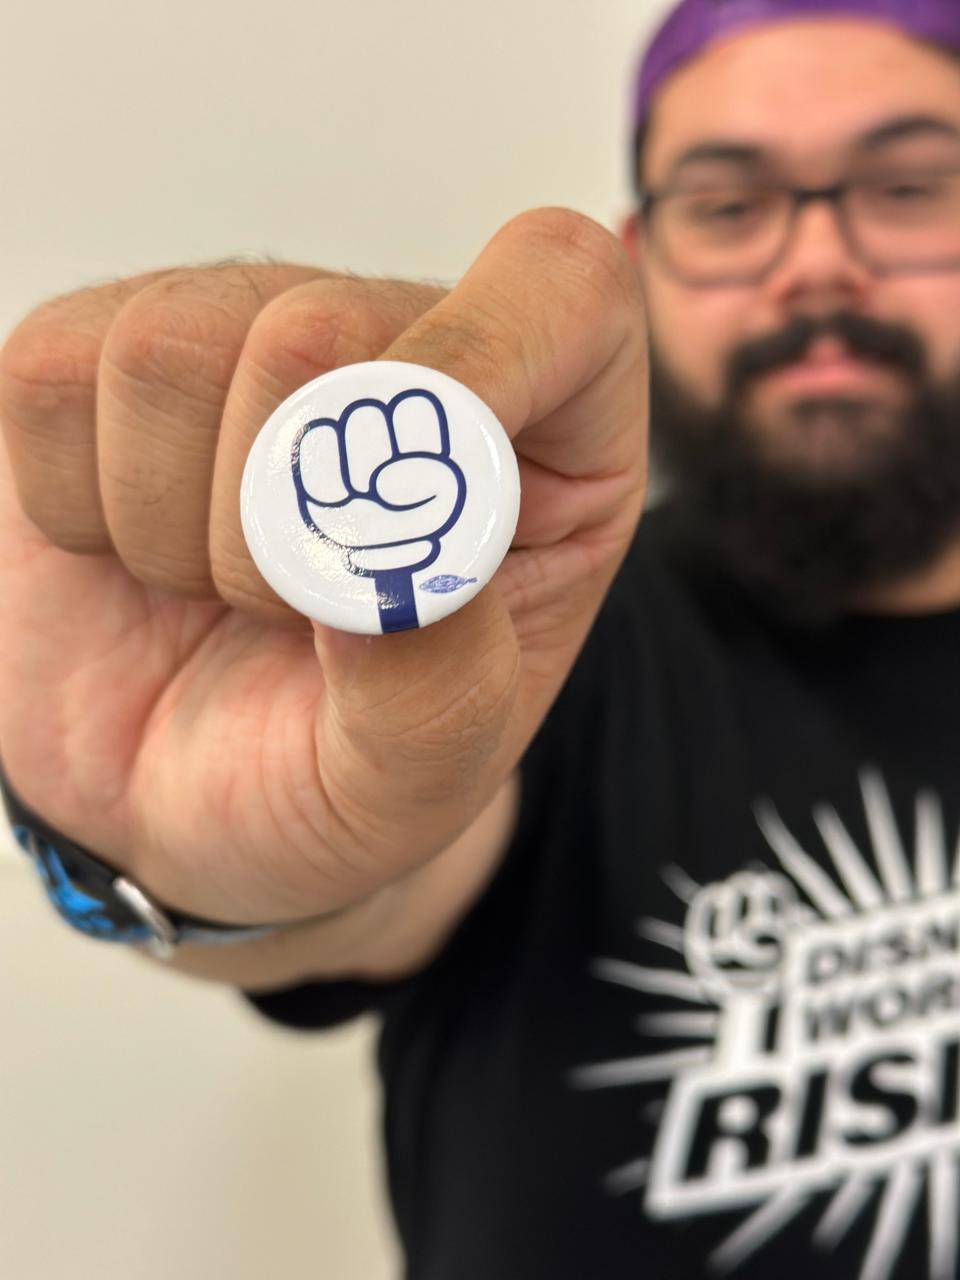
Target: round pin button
[(379, 497)]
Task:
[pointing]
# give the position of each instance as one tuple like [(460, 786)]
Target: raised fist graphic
[(378, 483)]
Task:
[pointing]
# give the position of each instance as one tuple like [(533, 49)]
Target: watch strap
[(103, 902)]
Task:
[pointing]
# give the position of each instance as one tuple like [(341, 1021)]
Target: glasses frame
[(836, 196)]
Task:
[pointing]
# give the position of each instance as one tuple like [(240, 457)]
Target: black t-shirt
[(705, 1020)]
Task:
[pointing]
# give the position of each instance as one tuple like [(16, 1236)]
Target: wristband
[(104, 903)]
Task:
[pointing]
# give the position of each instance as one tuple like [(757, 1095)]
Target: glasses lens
[(908, 219), (722, 233)]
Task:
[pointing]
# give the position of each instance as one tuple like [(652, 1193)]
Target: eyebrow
[(749, 155)]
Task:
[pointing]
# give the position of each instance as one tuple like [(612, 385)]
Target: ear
[(632, 237)]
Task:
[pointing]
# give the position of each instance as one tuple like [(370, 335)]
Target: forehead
[(804, 90)]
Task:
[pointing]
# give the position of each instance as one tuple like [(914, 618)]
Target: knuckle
[(229, 282), (44, 365), (162, 337), (322, 325)]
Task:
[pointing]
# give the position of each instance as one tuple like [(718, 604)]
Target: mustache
[(864, 337)]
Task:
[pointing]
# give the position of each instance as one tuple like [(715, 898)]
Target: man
[(677, 997)]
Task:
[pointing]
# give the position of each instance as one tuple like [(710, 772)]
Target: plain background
[(152, 1125)]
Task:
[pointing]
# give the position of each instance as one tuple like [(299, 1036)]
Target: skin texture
[(162, 706), (755, 86)]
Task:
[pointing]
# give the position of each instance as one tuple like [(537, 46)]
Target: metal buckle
[(163, 943)]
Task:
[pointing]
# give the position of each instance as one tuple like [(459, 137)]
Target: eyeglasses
[(901, 222)]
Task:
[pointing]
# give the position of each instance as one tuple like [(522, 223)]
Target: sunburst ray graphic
[(841, 894)]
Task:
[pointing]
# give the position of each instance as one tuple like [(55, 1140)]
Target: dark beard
[(804, 545)]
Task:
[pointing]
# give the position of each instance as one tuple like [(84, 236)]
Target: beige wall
[(152, 1126)]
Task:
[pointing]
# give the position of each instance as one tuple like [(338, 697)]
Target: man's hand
[(158, 702)]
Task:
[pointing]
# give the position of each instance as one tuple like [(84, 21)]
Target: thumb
[(422, 711)]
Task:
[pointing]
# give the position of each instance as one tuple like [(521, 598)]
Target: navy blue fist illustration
[(379, 485)]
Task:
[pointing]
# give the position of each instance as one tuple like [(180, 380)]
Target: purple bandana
[(693, 24)]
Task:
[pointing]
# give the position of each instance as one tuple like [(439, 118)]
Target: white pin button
[(379, 497)]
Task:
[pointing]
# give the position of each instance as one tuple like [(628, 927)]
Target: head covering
[(693, 24)]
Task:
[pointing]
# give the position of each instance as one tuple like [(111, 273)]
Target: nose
[(819, 269)]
